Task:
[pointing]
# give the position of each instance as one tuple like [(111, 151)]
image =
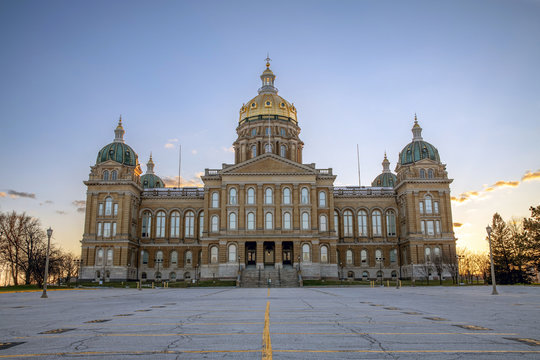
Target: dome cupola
[(151, 180), (118, 150), (386, 178), (418, 149)]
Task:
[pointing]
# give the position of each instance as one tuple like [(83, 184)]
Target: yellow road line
[(414, 351), (268, 292), (267, 343)]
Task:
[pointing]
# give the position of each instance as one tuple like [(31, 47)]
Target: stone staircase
[(253, 277)]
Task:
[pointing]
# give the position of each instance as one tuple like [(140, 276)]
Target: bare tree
[(425, 270)]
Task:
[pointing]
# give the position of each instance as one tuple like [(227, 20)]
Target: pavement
[(276, 323)]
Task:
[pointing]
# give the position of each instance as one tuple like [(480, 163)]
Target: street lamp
[(158, 261), (49, 234), (239, 264), (380, 260), (494, 292)]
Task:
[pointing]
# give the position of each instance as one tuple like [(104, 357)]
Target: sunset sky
[(357, 71)]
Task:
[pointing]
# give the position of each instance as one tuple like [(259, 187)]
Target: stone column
[(278, 249), (260, 254)]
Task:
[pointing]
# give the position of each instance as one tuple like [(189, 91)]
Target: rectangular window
[(107, 230), (115, 209), (114, 229), (421, 207), (437, 227), (99, 228), (100, 209), (430, 230), (423, 227), (436, 207)]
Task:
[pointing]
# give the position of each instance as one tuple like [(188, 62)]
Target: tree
[(531, 227), (12, 229)]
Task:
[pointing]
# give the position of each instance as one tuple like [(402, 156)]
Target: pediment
[(269, 164)]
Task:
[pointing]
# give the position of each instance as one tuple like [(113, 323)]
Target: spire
[(119, 132), (416, 130), (268, 78), (150, 165), (386, 164)]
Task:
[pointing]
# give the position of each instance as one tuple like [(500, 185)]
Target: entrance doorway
[(269, 252), (287, 252), (251, 253)]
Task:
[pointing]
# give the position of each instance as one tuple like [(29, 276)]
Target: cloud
[(456, 224), (530, 176), (172, 140), (172, 181), (169, 146), (46, 202), (16, 194), (171, 143), (502, 183), (61, 212), (194, 152), (80, 205), (229, 149), (2, 194)]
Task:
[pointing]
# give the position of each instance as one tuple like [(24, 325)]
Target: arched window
[(108, 205), (114, 175), (376, 222), (394, 274), (143, 276), (267, 148), (232, 253), (251, 196), (324, 254), (106, 175), (159, 257), (175, 224), (349, 257), (201, 224), (282, 151), (268, 196), (232, 221), (146, 224), (347, 223), (322, 199), (160, 224), (251, 221), (287, 196), (362, 223), (213, 255), (214, 224), (365, 275), (306, 256), (232, 196), (429, 203), (336, 222), (188, 258), (422, 174), (323, 224), (393, 255), (189, 224), (254, 151), (437, 253), (158, 275), (287, 221), (174, 258), (172, 276), (379, 274), (109, 256), (378, 255), (215, 199), (390, 223), (427, 253), (305, 221), (268, 221), (430, 173), (99, 257), (304, 196), (364, 257), (144, 257)]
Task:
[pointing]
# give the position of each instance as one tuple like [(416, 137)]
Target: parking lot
[(297, 323)]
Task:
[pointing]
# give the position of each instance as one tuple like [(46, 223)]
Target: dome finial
[(267, 79), (268, 60), (119, 131), (416, 129), (150, 165)]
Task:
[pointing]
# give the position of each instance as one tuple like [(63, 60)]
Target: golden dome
[(268, 102)]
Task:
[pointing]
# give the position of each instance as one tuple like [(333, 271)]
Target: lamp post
[(459, 257), (380, 260), (49, 234), (158, 261), (494, 292), (239, 264)]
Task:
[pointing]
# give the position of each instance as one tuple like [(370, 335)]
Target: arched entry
[(251, 253), (287, 253), (269, 252)]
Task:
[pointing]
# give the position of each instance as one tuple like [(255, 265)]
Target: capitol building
[(268, 215)]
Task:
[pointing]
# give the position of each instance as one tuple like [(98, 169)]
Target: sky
[(357, 72)]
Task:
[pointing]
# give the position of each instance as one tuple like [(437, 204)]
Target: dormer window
[(253, 105), (268, 103)]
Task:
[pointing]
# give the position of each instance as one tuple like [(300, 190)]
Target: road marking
[(268, 293), (267, 343), (415, 351)]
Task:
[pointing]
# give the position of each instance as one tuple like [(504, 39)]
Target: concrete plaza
[(301, 323)]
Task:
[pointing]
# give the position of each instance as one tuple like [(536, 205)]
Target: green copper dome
[(151, 181), (418, 149), (386, 178), (118, 151)]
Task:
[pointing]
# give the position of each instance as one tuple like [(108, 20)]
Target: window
[(189, 224), (347, 223), (322, 199), (253, 132), (99, 260), (99, 229), (232, 196), (215, 199), (364, 257), (172, 276), (422, 174), (287, 196), (108, 206), (106, 175), (376, 222), (159, 257), (437, 227), (106, 229), (213, 255), (109, 256), (282, 150), (304, 196), (188, 258), (428, 202), (430, 174), (146, 224), (113, 229), (160, 224), (115, 209), (427, 252), (232, 253), (174, 258), (267, 131), (390, 223), (175, 224), (268, 221), (251, 196), (201, 224), (423, 227), (287, 221), (100, 209), (336, 222), (393, 255), (251, 221), (324, 254), (378, 255), (362, 223), (254, 151), (429, 225), (435, 207), (421, 207), (305, 253), (144, 257), (214, 224), (283, 132), (232, 221), (143, 276), (365, 275), (394, 274), (305, 221), (437, 253), (349, 257), (114, 175), (323, 224), (267, 148), (268, 196)]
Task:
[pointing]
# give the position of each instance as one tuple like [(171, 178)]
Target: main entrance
[(287, 252), (251, 253), (269, 252)]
